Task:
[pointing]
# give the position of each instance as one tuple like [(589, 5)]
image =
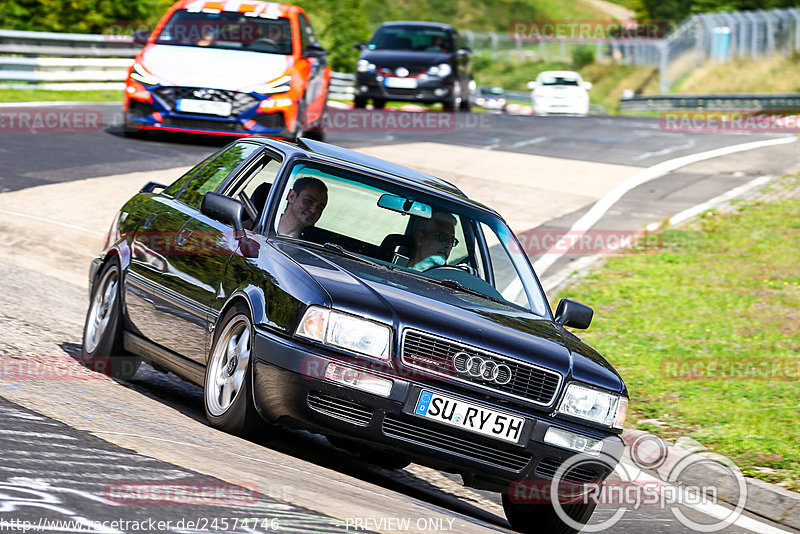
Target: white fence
[(59, 61)]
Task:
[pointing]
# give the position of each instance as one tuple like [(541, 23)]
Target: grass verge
[(41, 95), (704, 326)]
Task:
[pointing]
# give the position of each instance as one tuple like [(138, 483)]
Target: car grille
[(200, 124), (435, 355), (139, 109), (441, 438), (239, 101), (343, 409), (273, 121), (579, 474)]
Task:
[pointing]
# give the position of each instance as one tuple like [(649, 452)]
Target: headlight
[(364, 66), (281, 85), (593, 405), (141, 75), (346, 331), (442, 71)]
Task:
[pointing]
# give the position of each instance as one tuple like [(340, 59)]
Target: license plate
[(208, 107), (401, 83), (469, 416)]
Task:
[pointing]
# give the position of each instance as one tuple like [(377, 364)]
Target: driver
[(433, 239), (304, 205)]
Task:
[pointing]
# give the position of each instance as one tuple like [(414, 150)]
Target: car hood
[(408, 301), (566, 91), (235, 70), (404, 58)]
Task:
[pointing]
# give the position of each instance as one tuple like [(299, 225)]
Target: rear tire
[(227, 389), (543, 517), (102, 348)]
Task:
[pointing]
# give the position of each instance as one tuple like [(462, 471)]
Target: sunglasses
[(446, 240)]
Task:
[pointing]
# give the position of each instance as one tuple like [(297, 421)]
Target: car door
[(170, 280)]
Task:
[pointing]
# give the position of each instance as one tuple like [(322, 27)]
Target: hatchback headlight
[(442, 71), (346, 331), (593, 405), (279, 85)]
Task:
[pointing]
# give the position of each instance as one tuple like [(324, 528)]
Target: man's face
[(307, 205), (437, 240)]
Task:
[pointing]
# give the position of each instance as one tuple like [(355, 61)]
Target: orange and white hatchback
[(231, 67)]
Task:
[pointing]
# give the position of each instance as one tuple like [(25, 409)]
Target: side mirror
[(359, 46), (314, 51), (224, 209), (587, 85), (141, 36), (464, 51), (532, 85), (149, 187), (574, 314)]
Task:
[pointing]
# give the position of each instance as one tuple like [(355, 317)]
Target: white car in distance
[(560, 91)]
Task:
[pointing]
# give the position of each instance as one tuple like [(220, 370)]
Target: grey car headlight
[(346, 331), (594, 405)]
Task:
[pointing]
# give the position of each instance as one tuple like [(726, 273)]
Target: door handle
[(183, 236)]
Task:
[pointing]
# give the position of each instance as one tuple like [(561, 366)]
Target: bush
[(581, 56)]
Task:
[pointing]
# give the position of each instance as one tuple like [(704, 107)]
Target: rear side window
[(212, 176)]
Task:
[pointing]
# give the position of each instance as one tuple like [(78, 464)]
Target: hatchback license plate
[(401, 83), (469, 416), (209, 107)]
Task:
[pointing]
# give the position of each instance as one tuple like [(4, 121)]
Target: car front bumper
[(289, 383), (429, 89)]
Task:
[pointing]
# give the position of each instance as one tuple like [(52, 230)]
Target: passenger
[(433, 239), (305, 203)]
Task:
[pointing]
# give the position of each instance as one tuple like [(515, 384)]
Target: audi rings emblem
[(482, 368)]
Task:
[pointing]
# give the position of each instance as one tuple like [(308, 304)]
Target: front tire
[(102, 348), (543, 517), (359, 102), (227, 386)]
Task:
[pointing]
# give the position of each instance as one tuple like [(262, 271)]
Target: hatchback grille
[(343, 409), (273, 121), (579, 475), (487, 452), (200, 124), (435, 355), (239, 101)]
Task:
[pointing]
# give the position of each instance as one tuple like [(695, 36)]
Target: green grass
[(41, 95), (724, 292)]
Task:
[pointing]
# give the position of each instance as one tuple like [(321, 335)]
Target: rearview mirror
[(587, 85), (405, 205), (574, 314), (224, 209), (359, 46), (532, 85), (314, 51)]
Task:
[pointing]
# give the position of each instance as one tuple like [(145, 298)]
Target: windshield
[(416, 38), (409, 232), (228, 30), (559, 80)]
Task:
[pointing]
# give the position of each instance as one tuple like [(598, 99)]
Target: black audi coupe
[(455, 361)]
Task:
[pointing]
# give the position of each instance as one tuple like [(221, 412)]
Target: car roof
[(392, 171), (562, 73), (438, 25), (255, 7)]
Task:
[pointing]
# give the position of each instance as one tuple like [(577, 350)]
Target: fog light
[(158, 116), (363, 88), (249, 124), (357, 379), (441, 91), (571, 440)]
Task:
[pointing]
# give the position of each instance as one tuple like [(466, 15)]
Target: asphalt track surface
[(57, 471)]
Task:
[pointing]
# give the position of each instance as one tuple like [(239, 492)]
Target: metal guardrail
[(722, 102), (106, 66)]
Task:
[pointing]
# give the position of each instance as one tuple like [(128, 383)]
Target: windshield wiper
[(452, 284), (352, 255)]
